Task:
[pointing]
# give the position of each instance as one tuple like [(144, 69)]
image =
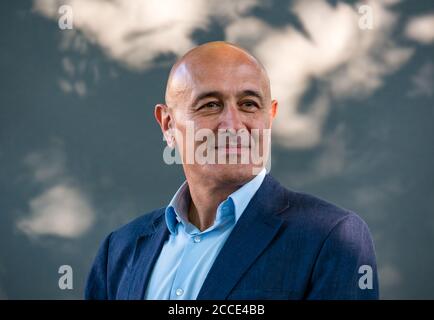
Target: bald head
[(209, 59), (218, 87)]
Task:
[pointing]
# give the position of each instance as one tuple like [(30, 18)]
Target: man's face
[(230, 99)]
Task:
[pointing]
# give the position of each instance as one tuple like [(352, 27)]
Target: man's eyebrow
[(252, 93), (207, 94), (217, 94)]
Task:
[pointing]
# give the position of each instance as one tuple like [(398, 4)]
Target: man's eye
[(249, 104), (211, 105)]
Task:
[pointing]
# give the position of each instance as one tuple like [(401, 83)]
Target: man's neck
[(205, 198)]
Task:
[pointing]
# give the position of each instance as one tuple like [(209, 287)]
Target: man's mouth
[(232, 149)]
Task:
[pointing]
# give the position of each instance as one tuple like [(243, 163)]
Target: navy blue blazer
[(286, 245)]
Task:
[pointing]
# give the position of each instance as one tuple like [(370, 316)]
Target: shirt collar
[(177, 209), (243, 195)]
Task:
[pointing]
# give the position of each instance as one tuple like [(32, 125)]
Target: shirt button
[(196, 239), (179, 292)]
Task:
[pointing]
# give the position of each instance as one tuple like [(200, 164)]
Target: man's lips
[(232, 149)]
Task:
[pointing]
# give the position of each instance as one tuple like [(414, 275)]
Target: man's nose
[(231, 118)]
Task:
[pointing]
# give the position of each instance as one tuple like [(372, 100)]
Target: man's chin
[(230, 172)]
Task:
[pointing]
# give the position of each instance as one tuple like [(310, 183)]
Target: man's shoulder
[(314, 214)]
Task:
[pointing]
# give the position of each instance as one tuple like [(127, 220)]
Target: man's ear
[(274, 106), (164, 119)]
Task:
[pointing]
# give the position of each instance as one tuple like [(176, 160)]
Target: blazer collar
[(251, 235), (147, 249)]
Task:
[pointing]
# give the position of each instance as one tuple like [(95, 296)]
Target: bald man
[(231, 231)]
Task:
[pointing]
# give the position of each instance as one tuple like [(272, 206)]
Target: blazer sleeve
[(345, 267), (96, 285)]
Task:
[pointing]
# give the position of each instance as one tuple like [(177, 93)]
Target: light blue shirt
[(188, 254)]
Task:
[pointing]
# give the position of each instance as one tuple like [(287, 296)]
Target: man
[(232, 231)]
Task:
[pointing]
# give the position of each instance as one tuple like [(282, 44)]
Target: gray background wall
[(80, 152)]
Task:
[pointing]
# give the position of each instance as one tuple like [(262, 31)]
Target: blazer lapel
[(253, 232), (146, 252)]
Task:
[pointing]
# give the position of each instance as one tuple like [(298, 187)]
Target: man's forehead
[(215, 63), (223, 81), (214, 67)]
